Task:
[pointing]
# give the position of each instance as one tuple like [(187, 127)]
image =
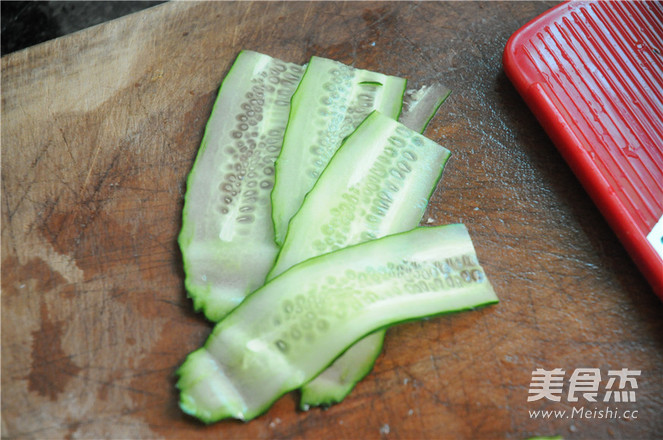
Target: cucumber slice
[(330, 102), (227, 236), (293, 327), (336, 382)]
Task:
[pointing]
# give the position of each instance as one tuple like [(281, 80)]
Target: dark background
[(26, 23)]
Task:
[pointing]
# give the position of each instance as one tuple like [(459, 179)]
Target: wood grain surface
[(99, 130)]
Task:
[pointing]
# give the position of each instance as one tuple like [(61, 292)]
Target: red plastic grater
[(592, 73)]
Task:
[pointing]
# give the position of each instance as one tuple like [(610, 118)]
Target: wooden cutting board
[(99, 130)]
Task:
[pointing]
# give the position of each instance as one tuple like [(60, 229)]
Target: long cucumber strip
[(293, 327), (330, 102), (336, 382), (227, 236)]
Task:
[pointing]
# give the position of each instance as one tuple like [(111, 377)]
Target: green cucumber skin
[(330, 102), (227, 235), (291, 329)]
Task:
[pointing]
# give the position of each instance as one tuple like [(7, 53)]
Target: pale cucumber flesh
[(420, 105), (227, 236), (293, 327), (331, 101)]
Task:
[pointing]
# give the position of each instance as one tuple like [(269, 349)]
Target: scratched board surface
[(99, 130)]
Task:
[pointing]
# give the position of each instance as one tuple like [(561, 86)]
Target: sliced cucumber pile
[(395, 170), (343, 259)]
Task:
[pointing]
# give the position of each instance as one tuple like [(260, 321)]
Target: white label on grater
[(655, 237)]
